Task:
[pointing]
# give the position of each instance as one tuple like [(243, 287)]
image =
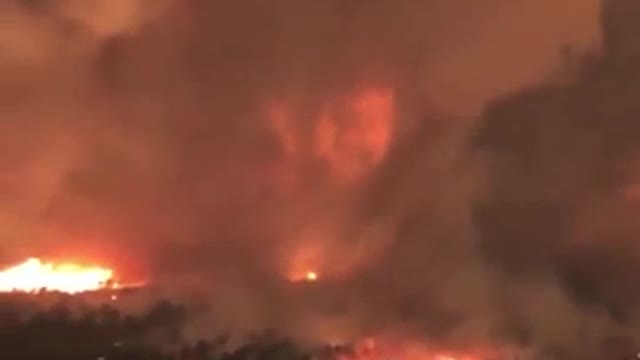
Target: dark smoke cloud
[(176, 139), (559, 217)]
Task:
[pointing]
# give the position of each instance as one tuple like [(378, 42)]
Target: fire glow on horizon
[(33, 275), (382, 349), (311, 276), (307, 276)]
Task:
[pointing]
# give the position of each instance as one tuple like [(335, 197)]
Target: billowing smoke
[(240, 145), (558, 219)]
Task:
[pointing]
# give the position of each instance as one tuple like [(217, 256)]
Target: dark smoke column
[(621, 22), (563, 199)]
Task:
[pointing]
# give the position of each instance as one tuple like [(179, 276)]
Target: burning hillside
[(389, 348), (33, 275)]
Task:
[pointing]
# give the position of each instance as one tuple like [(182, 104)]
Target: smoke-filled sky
[(405, 150)]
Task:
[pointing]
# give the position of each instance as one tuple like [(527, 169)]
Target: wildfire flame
[(377, 349), (309, 276), (34, 275)]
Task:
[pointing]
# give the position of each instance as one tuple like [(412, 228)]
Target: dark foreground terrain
[(63, 332), (62, 327)]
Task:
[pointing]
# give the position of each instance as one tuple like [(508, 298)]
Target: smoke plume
[(400, 149)]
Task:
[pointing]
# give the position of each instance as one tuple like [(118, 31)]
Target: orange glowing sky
[(351, 134), (355, 143), (344, 138)]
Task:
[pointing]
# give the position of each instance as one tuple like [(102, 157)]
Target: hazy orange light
[(353, 144), (306, 276), (445, 357), (350, 135), (371, 349), (312, 276), (33, 275)]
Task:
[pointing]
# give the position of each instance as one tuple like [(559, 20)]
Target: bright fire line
[(33, 275)]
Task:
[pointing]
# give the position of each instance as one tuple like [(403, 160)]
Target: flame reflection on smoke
[(351, 134)]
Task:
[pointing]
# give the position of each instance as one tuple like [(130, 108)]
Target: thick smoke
[(239, 144), (559, 218)]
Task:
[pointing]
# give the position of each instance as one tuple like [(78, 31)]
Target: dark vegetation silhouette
[(104, 333)]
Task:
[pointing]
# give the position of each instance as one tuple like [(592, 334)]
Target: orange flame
[(311, 276), (308, 276), (372, 349), (33, 275)]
